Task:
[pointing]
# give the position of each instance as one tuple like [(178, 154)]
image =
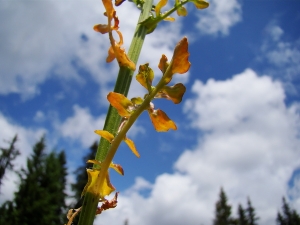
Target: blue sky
[(238, 124)]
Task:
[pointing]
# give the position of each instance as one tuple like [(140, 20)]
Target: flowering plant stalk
[(123, 112)]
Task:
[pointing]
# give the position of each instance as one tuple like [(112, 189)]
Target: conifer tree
[(7, 155), (223, 211), (252, 218), (288, 216), (242, 217), (40, 198)]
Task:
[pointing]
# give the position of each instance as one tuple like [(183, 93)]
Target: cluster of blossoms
[(99, 185)]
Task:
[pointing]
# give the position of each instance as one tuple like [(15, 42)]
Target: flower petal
[(161, 121), (200, 4), (145, 76), (182, 11), (92, 185), (105, 134), (180, 63), (159, 5), (163, 64), (173, 93), (122, 104), (131, 145), (117, 167)]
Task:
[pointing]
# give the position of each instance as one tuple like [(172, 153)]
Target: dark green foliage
[(7, 155), (40, 198), (251, 217), (288, 216), (247, 216), (242, 218), (223, 211)]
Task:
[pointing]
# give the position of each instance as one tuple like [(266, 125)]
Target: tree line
[(247, 216), (41, 196)]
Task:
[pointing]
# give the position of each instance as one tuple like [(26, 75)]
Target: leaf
[(173, 93), (161, 121), (180, 63), (122, 104), (105, 134), (163, 64), (181, 11), (200, 4), (145, 76), (131, 145), (93, 183)]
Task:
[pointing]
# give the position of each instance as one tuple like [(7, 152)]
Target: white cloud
[(280, 57), (43, 39), (81, 126), (249, 145), (219, 17), (27, 137)]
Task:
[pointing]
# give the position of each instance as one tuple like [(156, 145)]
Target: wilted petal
[(163, 64), (109, 8), (182, 11), (161, 121), (200, 4), (105, 134), (131, 145), (145, 76), (137, 100), (94, 161), (159, 5), (119, 2), (122, 104), (111, 55), (117, 167), (102, 28), (170, 19), (173, 93), (180, 61), (108, 204)]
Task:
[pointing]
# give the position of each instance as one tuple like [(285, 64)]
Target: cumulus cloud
[(280, 56), (80, 126), (55, 39), (248, 144), (219, 17)]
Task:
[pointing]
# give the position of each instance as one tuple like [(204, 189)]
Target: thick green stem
[(123, 82), (112, 121)]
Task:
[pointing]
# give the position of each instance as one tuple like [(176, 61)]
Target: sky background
[(238, 123)]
